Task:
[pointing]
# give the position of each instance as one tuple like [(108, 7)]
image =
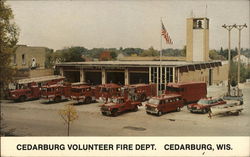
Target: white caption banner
[(125, 146)]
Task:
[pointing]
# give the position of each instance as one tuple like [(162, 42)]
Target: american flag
[(165, 34)]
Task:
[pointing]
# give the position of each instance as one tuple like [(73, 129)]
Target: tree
[(213, 54), (72, 54), (113, 54), (68, 114), (150, 52), (9, 33), (49, 60), (244, 72)]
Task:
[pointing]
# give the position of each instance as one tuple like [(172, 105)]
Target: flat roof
[(40, 79), (133, 63)]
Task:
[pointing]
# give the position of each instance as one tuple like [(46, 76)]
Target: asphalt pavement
[(38, 118)]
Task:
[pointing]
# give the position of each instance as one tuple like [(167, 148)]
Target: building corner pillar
[(61, 71), (82, 75), (126, 75), (104, 76)]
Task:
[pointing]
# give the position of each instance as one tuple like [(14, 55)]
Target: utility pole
[(229, 28), (239, 27)]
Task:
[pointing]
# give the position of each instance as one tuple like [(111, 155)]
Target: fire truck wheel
[(204, 111), (178, 109), (22, 98), (159, 113), (88, 100), (236, 113), (103, 113), (114, 112), (135, 108), (143, 97), (57, 99)]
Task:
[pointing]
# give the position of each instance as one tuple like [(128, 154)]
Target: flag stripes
[(165, 34)]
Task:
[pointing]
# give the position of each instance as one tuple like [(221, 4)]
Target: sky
[(126, 23)]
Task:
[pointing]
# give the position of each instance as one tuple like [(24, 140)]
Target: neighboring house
[(30, 61), (105, 56), (29, 57), (243, 59)]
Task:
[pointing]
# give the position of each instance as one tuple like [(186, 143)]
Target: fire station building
[(195, 67)]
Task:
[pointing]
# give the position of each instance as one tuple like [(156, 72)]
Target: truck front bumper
[(106, 112), (152, 111)]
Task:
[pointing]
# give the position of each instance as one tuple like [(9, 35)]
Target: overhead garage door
[(115, 77), (138, 78), (72, 76), (94, 78)]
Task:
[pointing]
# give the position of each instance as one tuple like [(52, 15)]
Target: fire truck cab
[(105, 91), (56, 92), (29, 92), (139, 92), (83, 94)]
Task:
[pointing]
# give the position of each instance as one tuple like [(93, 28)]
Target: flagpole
[(160, 60)]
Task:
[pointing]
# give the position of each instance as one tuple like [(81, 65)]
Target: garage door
[(138, 78), (94, 78), (115, 77)]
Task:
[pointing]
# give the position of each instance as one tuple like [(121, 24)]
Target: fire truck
[(83, 93), (28, 89), (56, 92), (117, 105), (163, 104), (190, 92), (139, 92), (29, 92), (105, 91)]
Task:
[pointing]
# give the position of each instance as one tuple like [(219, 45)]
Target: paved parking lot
[(37, 118)]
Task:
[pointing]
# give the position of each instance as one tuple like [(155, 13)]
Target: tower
[(197, 39)]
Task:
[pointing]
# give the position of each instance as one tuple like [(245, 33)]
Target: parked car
[(117, 105), (203, 105), (164, 104)]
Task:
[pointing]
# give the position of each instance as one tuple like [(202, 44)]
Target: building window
[(23, 58)]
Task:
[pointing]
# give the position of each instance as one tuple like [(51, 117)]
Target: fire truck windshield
[(204, 101), (174, 89), (47, 89), (115, 100), (154, 101), (75, 90)]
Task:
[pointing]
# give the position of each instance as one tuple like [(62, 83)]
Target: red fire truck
[(105, 91), (28, 89), (190, 92), (56, 92), (139, 92), (164, 104), (29, 92), (118, 105), (83, 93)]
